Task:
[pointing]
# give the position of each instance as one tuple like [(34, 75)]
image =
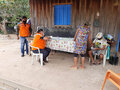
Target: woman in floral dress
[(82, 35)]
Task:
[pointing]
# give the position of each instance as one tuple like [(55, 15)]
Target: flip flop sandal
[(74, 67), (93, 63), (81, 67), (98, 63)]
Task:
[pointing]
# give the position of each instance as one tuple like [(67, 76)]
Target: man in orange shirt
[(23, 30), (39, 41)]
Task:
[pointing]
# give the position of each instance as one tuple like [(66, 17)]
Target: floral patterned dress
[(81, 40)]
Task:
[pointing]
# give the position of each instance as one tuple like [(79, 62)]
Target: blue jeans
[(23, 42)]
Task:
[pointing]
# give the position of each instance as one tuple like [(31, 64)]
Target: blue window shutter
[(62, 14), (69, 15), (65, 14), (61, 17), (56, 15)]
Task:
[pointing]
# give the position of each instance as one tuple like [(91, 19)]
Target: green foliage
[(13, 10), (1, 32)]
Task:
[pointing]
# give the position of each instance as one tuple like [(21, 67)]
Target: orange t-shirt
[(38, 42)]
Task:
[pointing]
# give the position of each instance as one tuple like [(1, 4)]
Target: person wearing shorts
[(100, 46), (82, 35)]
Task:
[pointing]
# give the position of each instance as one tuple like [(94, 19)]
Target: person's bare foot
[(99, 62), (82, 67), (92, 63), (74, 67)]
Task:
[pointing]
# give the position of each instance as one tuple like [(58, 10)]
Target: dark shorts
[(76, 55)]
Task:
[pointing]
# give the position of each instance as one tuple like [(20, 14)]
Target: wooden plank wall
[(42, 14)]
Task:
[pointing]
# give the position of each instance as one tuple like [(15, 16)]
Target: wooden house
[(62, 17)]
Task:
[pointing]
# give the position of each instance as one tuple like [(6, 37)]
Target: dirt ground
[(56, 75)]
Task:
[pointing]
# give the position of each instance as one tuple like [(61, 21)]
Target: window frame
[(54, 18)]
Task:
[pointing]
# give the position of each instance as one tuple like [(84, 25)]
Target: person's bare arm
[(89, 39), (100, 48), (46, 38), (30, 30), (76, 34)]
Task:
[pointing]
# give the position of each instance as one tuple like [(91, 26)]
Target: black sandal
[(92, 63), (99, 63)]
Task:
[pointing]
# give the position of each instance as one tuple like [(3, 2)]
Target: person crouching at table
[(39, 41)]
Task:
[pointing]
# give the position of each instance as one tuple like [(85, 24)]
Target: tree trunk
[(4, 27)]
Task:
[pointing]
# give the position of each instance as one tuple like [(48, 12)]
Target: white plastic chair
[(104, 57), (38, 55)]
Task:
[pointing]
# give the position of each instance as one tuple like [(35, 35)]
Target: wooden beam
[(61, 3)]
